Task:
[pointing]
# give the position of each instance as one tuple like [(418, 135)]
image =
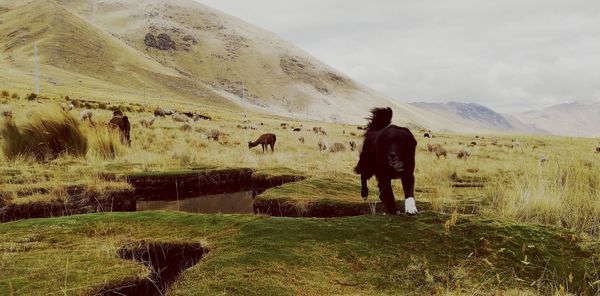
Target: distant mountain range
[(570, 119), (579, 119)]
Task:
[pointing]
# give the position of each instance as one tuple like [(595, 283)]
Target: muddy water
[(228, 203)]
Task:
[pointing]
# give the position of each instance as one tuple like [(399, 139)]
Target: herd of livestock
[(121, 122)]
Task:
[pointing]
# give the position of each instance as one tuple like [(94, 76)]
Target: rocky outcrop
[(162, 41)]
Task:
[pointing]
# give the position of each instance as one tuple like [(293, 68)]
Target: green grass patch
[(253, 255)]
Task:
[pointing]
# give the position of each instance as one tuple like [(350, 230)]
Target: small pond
[(228, 203)]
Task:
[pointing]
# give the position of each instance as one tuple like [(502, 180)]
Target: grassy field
[(502, 222)]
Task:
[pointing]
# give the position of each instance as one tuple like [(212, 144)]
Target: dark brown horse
[(388, 153), (265, 141)]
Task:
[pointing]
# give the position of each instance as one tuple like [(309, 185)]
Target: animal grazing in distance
[(178, 117), (438, 150), (352, 145), (160, 112), (86, 115), (388, 153), (598, 149), (301, 139), (463, 154), (323, 144), (67, 107), (147, 122), (426, 135), (213, 135), (515, 144), (337, 147), (264, 140), (121, 122)]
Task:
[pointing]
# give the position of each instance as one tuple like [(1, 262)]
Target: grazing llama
[(265, 141)]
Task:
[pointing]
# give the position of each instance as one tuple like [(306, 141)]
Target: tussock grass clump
[(105, 142), (44, 136), (31, 96), (563, 193)]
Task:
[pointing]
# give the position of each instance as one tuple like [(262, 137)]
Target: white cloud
[(510, 55)]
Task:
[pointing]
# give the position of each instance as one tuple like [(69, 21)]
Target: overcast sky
[(511, 55)]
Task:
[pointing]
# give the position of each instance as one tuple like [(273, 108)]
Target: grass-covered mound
[(253, 255)]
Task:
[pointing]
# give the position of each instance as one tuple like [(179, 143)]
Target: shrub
[(5, 93), (31, 97), (76, 103), (16, 96), (106, 142), (103, 106), (45, 136)]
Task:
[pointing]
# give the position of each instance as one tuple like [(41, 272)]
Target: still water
[(228, 203)]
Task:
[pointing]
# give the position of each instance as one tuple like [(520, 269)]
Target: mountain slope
[(154, 51), (178, 50), (571, 119), (478, 116)]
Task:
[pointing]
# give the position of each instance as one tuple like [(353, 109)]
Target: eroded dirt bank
[(166, 261)]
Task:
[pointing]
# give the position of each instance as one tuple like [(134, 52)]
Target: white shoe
[(410, 206)]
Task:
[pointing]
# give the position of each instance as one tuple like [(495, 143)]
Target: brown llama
[(301, 139), (438, 150), (337, 147), (121, 122), (463, 154), (264, 140)]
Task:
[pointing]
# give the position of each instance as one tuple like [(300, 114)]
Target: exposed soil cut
[(166, 262), (150, 187), (78, 201), (199, 183)]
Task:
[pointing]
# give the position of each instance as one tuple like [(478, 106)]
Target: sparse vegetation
[(105, 142), (31, 97)]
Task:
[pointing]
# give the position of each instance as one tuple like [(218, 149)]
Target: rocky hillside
[(155, 51)]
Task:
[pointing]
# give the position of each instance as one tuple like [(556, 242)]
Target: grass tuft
[(105, 142), (45, 136)]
